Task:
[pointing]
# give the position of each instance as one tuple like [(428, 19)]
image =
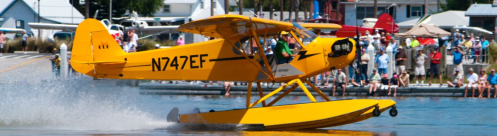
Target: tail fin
[(93, 45), (386, 22)]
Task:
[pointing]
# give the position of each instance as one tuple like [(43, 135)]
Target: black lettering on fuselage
[(202, 60), (156, 63), (193, 61)]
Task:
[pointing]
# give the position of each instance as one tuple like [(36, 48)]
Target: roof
[(60, 11), (232, 2), (481, 10), (425, 30), (456, 18)]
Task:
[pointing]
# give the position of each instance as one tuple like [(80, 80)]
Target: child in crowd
[(384, 82), (394, 82)]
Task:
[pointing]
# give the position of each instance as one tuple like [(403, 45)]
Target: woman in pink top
[(180, 41), (2, 41), (477, 47)]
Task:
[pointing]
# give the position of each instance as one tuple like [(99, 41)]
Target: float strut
[(272, 93), (282, 95), (306, 91), (259, 89), (249, 93), (317, 90)]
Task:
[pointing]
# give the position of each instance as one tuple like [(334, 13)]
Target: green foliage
[(119, 7), (35, 44), (276, 4), (460, 4)]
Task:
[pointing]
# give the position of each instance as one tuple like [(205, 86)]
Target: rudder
[(93, 45)]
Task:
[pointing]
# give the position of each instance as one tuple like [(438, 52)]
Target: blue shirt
[(382, 61), (484, 44), (492, 79), (457, 57)]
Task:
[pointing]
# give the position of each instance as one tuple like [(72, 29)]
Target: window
[(201, 4), (20, 24), (416, 11), (368, 12), (167, 9), (334, 5)]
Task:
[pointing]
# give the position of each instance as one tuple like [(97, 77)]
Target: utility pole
[(338, 11), (226, 6), (256, 12), (271, 9), (282, 3), (110, 11), (240, 7), (305, 10), (375, 8), (212, 7), (38, 13), (311, 10), (87, 8), (296, 7), (426, 7), (438, 6), (290, 6)]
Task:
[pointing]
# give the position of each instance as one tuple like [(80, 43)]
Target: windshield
[(306, 35)]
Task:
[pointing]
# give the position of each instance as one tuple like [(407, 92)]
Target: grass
[(35, 44)]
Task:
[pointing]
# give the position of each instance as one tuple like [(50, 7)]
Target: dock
[(185, 88)]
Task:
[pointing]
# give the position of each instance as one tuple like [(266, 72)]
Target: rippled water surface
[(87, 107)]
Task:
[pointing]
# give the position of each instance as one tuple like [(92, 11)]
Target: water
[(86, 107)]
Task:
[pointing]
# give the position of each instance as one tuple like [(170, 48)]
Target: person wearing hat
[(374, 82), (435, 57), (282, 51), (394, 82), (419, 70), (414, 42), (382, 60), (57, 65), (492, 82), (455, 37), (364, 63), (467, 44), (358, 79), (477, 48), (384, 82), (340, 81), (456, 79), (472, 81), (404, 79), (400, 59)]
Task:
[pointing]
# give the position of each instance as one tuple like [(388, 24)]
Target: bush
[(35, 44), (149, 44)]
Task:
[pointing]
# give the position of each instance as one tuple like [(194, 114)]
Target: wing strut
[(261, 53)]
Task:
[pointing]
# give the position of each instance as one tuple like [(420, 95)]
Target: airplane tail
[(94, 45), (386, 22)]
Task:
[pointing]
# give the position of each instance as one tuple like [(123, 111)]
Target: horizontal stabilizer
[(100, 62)]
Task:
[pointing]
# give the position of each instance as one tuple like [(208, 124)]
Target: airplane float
[(224, 59)]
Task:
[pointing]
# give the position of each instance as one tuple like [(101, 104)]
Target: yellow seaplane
[(227, 58)]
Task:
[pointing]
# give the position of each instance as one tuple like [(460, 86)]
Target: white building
[(18, 13), (401, 10)]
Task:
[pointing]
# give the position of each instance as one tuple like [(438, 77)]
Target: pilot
[(282, 51)]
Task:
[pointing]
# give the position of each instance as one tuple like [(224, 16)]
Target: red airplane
[(385, 23)]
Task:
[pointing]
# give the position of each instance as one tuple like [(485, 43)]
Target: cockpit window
[(306, 35), (114, 28)]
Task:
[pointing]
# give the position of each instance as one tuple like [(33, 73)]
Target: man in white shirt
[(472, 80), (340, 81), (408, 42)]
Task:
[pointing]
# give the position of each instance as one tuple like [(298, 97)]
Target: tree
[(119, 7), (461, 4)]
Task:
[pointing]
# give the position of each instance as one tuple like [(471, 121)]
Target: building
[(457, 18), (18, 13), (483, 15), (401, 10)]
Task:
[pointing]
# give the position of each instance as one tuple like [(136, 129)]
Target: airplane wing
[(154, 30), (12, 30), (63, 27), (226, 26)]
